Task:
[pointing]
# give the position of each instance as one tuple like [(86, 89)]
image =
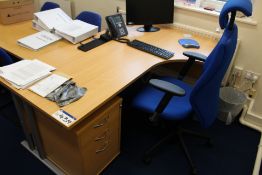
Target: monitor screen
[(149, 12)]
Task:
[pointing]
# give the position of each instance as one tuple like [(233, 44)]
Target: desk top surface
[(104, 71)]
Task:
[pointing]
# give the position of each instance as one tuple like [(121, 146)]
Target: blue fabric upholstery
[(91, 18), (245, 6), (203, 98), (5, 59), (205, 94), (178, 108), (49, 6)]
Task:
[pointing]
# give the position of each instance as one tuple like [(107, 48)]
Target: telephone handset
[(116, 26), (117, 29)]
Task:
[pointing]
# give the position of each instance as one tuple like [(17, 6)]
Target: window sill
[(244, 20)]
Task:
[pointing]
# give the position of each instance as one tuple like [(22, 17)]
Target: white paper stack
[(36, 26), (49, 19), (24, 73), (58, 22), (38, 40), (49, 84), (76, 31)]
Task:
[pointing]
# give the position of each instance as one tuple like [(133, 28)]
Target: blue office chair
[(91, 18), (5, 59), (49, 6), (173, 100)]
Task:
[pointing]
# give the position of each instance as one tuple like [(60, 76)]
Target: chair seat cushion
[(177, 109)]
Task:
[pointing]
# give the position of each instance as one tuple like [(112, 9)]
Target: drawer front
[(99, 138), (102, 152), (98, 128)]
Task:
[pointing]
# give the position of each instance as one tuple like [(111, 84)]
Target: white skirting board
[(246, 120)]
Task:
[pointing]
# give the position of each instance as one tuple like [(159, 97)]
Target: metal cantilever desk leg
[(20, 111), (35, 131), (31, 134)]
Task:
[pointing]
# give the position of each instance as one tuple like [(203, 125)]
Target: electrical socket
[(252, 93), (244, 80), (237, 71), (248, 75), (236, 77), (119, 10), (251, 76)]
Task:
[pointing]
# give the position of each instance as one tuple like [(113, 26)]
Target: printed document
[(48, 85), (38, 40), (49, 19), (25, 72), (76, 31), (58, 22)]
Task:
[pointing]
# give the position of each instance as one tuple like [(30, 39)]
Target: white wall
[(103, 7), (249, 57), (64, 4)]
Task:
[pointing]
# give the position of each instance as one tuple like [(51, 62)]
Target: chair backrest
[(205, 94), (5, 59), (49, 6), (91, 18)]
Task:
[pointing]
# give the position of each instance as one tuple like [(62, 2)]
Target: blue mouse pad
[(189, 43)]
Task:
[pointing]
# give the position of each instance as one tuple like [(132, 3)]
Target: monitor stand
[(148, 28)]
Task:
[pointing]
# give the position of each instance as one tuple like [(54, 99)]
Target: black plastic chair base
[(210, 144), (6, 99), (147, 158), (194, 172)]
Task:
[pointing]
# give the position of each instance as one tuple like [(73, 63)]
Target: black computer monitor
[(149, 12)]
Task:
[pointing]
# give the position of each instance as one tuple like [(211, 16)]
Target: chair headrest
[(245, 6)]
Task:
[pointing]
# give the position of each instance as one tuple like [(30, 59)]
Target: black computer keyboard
[(151, 49)]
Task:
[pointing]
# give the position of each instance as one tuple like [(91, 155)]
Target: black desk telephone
[(116, 26), (116, 30)]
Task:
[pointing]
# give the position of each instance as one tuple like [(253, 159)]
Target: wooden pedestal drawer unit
[(89, 146)]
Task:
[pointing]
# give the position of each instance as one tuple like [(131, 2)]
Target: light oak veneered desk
[(93, 141)]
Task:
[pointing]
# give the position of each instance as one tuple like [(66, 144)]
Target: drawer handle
[(104, 121), (100, 138), (103, 136), (104, 148)]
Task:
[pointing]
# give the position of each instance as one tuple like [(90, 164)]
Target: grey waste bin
[(231, 103)]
